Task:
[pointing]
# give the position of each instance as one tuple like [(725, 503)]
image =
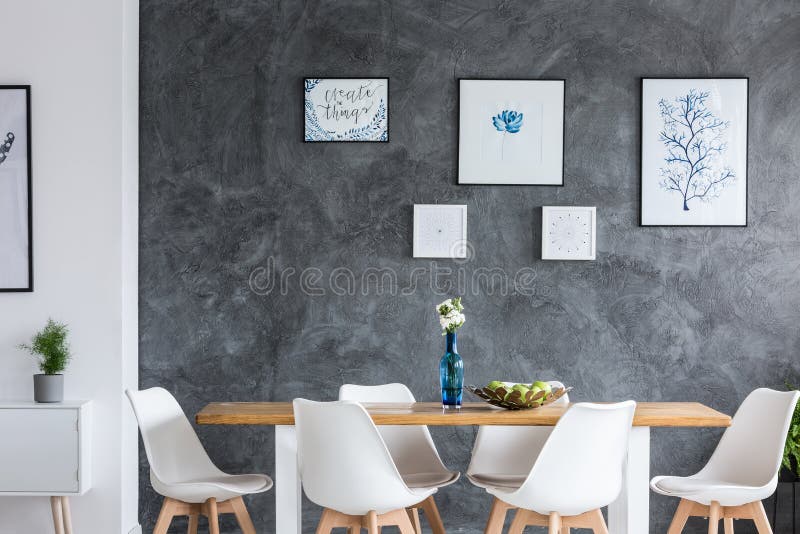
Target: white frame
[(726, 205), (330, 126), (454, 250), (547, 211), (16, 219), (536, 148)]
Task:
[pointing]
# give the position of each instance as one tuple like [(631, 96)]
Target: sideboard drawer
[(41, 450)]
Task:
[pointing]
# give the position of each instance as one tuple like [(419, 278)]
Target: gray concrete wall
[(703, 314)]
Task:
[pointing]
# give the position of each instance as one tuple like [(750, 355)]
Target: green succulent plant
[(50, 347), (792, 449)]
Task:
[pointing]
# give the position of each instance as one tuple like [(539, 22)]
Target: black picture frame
[(563, 132), (747, 152), (388, 109), (27, 89)]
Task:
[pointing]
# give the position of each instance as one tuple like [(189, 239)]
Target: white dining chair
[(578, 471), (743, 469), (346, 468), (182, 472), (504, 455), (411, 447)]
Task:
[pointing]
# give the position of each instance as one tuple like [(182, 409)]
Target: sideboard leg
[(67, 513), (58, 517)]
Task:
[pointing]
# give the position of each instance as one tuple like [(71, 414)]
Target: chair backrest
[(751, 449), (580, 467), (173, 449), (344, 464), (510, 450), (411, 447)]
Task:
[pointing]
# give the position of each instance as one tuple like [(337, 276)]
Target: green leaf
[(50, 346), (792, 449)]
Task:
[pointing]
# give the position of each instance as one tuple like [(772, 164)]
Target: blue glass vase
[(451, 374)]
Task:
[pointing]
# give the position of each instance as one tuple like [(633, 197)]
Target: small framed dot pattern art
[(440, 231), (568, 233)]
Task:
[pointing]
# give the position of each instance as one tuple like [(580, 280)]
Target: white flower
[(450, 316)]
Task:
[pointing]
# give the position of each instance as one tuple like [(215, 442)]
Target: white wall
[(81, 59)]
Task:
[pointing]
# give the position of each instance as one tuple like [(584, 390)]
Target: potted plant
[(791, 452), (50, 347)]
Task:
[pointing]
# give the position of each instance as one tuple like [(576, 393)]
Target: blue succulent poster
[(346, 109), (511, 132), (694, 152)]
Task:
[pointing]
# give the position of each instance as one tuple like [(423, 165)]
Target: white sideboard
[(45, 450)]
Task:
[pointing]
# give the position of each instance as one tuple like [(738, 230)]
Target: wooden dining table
[(629, 514)]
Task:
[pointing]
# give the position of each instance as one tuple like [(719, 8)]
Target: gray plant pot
[(48, 388)]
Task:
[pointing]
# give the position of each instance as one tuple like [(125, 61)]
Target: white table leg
[(630, 513), (288, 499)]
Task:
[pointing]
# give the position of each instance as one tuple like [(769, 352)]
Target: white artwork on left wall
[(16, 271), (440, 231)]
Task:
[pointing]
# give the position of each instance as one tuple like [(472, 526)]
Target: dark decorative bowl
[(515, 401)]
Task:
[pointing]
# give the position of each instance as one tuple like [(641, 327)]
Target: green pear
[(534, 391), (494, 384), (544, 386), (522, 388)]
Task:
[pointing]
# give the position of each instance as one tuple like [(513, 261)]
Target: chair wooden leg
[(58, 517), (555, 523), (404, 524), (497, 517), (401, 518), (165, 516), (714, 515), (519, 522), (413, 515), (194, 520), (372, 523), (327, 522), (355, 525), (598, 522), (760, 518), (715, 512), (728, 525), (213, 516), (680, 517), (242, 516), (432, 515)]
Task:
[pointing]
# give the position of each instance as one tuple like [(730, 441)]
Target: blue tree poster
[(694, 152)]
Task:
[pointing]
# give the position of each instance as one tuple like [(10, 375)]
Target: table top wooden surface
[(657, 414)]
